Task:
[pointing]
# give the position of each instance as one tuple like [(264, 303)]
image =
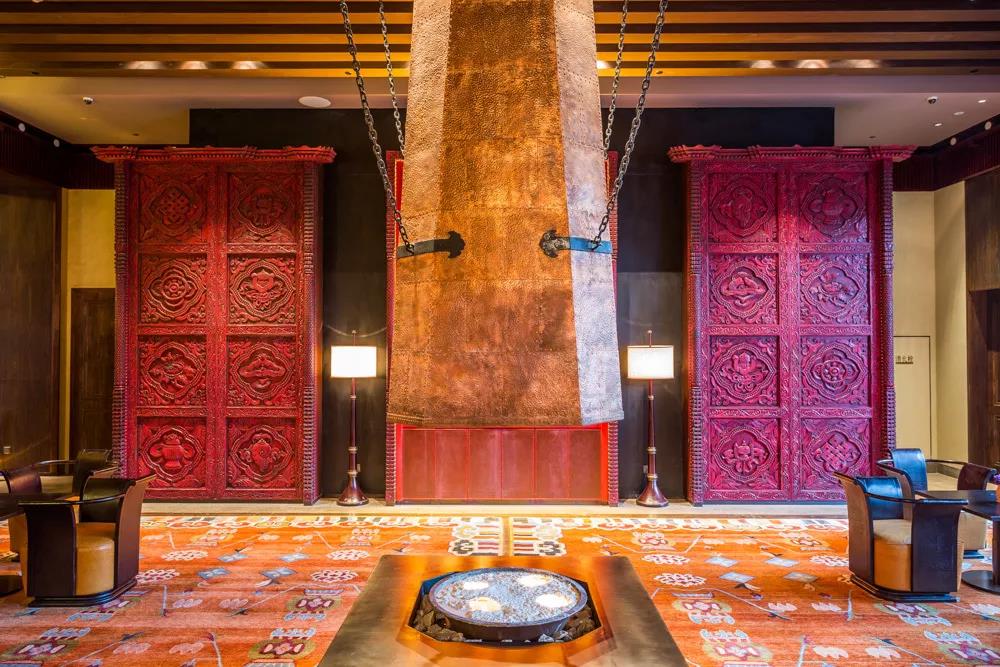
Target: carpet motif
[(272, 590)]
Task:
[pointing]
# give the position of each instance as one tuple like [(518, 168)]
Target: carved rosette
[(261, 455), (741, 208), (745, 454), (262, 290), (173, 449), (832, 445), (262, 371), (834, 289), (744, 370), (173, 289), (171, 371), (834, 371), (832, 208), (264, 208), (173, 206), (743, 289)]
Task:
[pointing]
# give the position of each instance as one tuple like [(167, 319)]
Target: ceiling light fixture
[(958, 113), (144, 64), (22, 127), (988, 125), (56, 143), (762, 64), (982, 101), (953, 141), (194, 64), (862, 63), (603, 64), (938, 124), (812, 64), (248, 64), (314, 102)]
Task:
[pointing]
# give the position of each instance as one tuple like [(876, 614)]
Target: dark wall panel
[(651, 257)]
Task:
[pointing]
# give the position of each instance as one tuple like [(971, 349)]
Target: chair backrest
[(888, 487), (103, 487), (127, 532), (87, 461), (911, 461), (23, 480)]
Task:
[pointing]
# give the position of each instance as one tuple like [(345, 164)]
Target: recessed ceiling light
[(194, 64), (603, 64), (988, 125), (22, 127), (248, 64), (56, 143), (953, 141), (982, 101), (762, 64), (938, 124), (314, 102), (812, 64), (144, 64), (958, 113)]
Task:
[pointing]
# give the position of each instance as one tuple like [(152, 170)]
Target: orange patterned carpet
[(272, 590)]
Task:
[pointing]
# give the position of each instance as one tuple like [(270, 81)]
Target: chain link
[(372, 133), (654, 46), (618, 76), (392, 80)]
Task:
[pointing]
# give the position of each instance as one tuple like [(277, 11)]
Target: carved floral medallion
[(262, 290), (834, 289), (744, 454), (744, 370), (262, 372), (743, 289), (260, 455), (834, 371), (833, 209), (742, 208), (172, 371), (173, 209), (173, 289), (172, 452), (264, 209)]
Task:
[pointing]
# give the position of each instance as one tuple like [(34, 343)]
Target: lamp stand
[(353, 495), (651, 495)]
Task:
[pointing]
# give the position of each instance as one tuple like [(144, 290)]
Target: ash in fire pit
[(504, 605)]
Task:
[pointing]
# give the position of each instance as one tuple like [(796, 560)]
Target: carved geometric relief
[(263, 208), (743, 289), (171, 371), (172, 289), (262, 371), (262, 289), (174, 449), (741, 208), (834, 289), (832, 445), (174, 206), (744, 454), (835, 371), (744, 370), (261, 454), (832, 208)]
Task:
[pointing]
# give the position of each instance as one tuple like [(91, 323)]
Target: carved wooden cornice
[(683, 154), (317, 154)]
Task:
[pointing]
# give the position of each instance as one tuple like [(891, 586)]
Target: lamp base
[(352, 496), (651, 495)]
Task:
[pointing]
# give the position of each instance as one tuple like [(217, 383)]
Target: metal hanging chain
[(618, 75), (392, 80), (372, 133), (654, 46)]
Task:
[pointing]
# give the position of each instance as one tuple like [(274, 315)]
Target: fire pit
[(507, 604)]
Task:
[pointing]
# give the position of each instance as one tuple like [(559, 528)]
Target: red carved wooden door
[(789, 300), (218, 316)]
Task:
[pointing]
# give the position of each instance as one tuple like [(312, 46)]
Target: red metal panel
[(788, 339), (517, 464), (584, 455), (218, 320), (485, 472), (552, 459), (418, 463), (451, 472)]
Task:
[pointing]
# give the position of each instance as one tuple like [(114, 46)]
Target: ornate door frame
[(199, 247), (778, 329)]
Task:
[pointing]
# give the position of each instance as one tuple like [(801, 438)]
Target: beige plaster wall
[(88, 252)]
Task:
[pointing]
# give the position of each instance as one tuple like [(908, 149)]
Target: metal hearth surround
[(377, 631), (218, 316), (789, 319), (601, 465)]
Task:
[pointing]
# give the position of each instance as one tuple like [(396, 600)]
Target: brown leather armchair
[(912, 556), (910, 468), (90, 545)]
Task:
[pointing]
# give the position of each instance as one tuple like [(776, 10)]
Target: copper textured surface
[(504, 143)]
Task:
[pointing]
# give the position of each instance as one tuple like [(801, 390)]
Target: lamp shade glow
[(650, 362), (352, 361)]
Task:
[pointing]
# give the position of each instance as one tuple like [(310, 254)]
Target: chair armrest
[(70, 501), (920, 501)]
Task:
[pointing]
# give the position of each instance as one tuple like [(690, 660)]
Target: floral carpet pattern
[(272, 590)]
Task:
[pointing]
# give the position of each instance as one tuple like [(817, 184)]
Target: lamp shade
[(650, 362), (352, 361)]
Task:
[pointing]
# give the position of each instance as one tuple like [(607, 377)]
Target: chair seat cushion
[(893, 531), (95, 559), (972, 531)]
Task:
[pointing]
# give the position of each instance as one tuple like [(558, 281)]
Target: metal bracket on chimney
[(454, 244), (552, 244)]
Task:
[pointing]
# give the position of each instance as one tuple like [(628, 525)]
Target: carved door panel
[(217, 361), (789, 368)]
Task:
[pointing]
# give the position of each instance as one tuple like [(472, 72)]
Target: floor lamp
[(650, 362), (352, 361)]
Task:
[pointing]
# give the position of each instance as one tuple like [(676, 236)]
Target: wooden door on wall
[(984, 376), (218, 270), (92, 368), (790, 348)]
